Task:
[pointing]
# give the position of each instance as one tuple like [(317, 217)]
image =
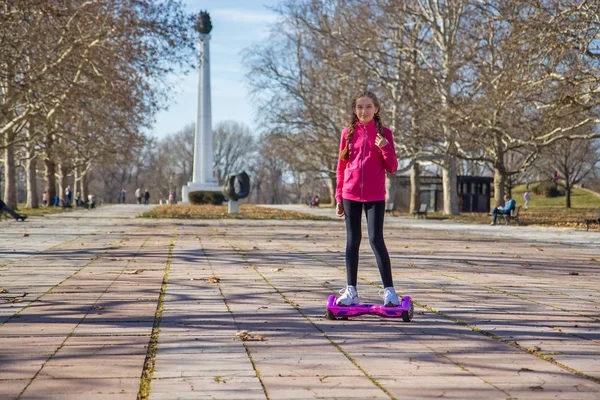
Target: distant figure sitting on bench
[(509, 205), (7, 209), (315, 202)]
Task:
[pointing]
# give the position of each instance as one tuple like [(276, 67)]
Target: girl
[(366, 153)]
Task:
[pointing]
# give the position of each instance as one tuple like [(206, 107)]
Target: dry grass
[(247, 211), (40, 211)]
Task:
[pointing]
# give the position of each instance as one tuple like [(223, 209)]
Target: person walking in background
[(146, 197), (123, 196), (138, 195), (171, 198), (91, 201), (526, 197), (7, 209), (45, 199), (68, 195), (78, 201), (367, 152)]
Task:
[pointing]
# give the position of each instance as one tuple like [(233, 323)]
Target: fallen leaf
[(16, 299), (277, 269), (3, 290), (213, 279), (525, 370), (134, 272), (25, 234), (573, 273), (245, 336), (534, 349)]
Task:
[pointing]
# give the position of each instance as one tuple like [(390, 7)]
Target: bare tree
[(529, 84), (574, 160), (60, 58), (234, 144)]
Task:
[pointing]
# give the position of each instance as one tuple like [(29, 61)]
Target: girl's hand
[(339, 209), (380, 141)]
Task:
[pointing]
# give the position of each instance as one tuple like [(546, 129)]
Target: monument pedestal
[(234, 207), (198, 187)]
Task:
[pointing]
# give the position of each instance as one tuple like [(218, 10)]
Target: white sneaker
[(390, 298), (349, 297)]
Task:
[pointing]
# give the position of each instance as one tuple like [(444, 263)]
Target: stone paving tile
[(218, 387), (323, 387), (87, 388), (200, 365), (10, 389), (274, 280)]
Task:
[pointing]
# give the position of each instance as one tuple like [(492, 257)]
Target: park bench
[(589, 221), (422, 212), (513, 216)]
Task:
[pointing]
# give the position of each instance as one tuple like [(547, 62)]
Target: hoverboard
[(404, 310)]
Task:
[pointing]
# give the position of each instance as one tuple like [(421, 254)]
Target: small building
[(474, 193)]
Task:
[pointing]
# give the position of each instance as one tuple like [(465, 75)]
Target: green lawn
[(580, 198)]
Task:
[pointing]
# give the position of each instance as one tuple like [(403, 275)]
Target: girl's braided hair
[(345, 153)]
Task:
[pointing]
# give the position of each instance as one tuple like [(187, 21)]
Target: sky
[(237, 25)]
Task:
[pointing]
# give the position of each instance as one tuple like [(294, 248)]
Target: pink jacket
[(362, 177)]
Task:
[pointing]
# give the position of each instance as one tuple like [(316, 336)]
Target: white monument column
[(202, 176), (203, 150)]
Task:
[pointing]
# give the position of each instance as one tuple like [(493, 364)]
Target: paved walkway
[(237, 310)]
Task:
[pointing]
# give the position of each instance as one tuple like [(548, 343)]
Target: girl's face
[(365, 109)]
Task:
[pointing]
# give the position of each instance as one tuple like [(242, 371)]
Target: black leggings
[(7, 209), (374, 212)]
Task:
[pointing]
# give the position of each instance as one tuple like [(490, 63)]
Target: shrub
[(202, 197), (548, 189)]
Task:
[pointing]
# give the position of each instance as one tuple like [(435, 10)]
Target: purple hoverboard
[(404, 310)]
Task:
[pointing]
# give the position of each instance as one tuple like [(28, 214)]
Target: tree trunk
[(415, 188), (76, 181), (83, 186), (331, 185), (10, 181), (568, 195), (31, 171), (390, 191), (62, 180), (32, 196), (499, 178), (50, 180), (449, 185)]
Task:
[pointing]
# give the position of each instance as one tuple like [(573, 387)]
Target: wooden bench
[(513, 216), (422, 212), (589, 221)]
